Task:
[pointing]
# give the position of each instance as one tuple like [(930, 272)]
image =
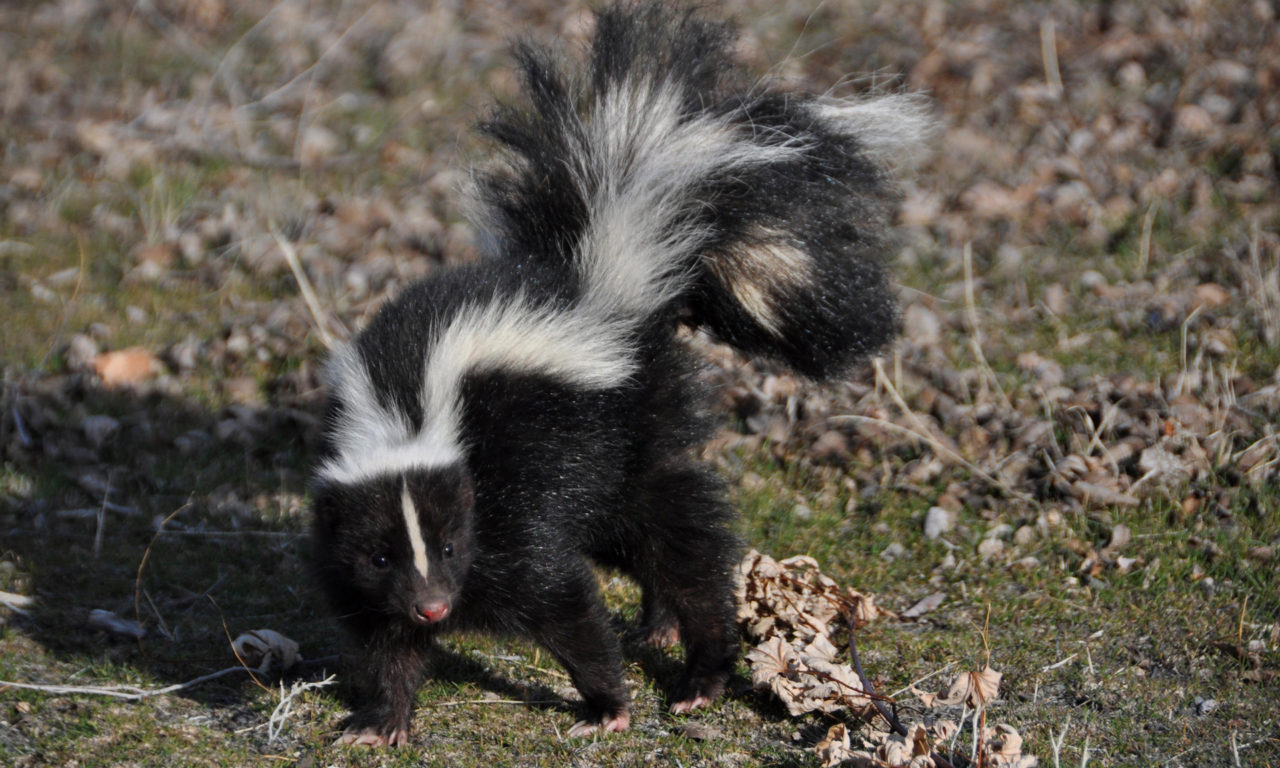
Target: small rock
[(98, 429), (81, 352), (113, 624), (893, 551), (1024, 535), (999, 531), (1205, 706), (801, 511), (1093, 280), (989, 548), (832, 447), (924, 605), (317, 144), (1026, 564), (1193, 121), (937, 521), (921, 326)]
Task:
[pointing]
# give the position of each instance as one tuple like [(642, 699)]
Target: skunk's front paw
[(606, 724)]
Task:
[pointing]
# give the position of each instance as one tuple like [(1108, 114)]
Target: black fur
[(551, 471)]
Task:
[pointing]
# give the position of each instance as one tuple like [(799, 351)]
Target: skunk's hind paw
[(614, 723)]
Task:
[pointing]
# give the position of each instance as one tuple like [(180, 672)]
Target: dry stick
[(1049, 53), (941, 448), (916, 682), (127, 692), (142, 564), (304, 285), (867, 687), (1144, 248), (975, 332), (227, 631)]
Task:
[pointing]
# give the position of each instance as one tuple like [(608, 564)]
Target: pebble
[(832, 447), (989, 548), (893, 551), (921, 326), (81, 352), (98, 429), (937, 521)]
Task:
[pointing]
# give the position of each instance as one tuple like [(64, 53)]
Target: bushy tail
[(673, 185)]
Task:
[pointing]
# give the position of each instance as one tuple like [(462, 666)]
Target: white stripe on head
[(370, 440), (411, 524)]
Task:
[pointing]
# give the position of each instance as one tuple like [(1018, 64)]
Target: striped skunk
[(501, 426)]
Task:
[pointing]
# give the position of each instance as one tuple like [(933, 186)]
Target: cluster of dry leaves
[(791, 610)]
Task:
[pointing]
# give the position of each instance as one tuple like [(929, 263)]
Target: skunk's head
[(399, 545)]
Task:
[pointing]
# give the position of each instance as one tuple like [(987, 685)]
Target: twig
[(304, 285), (127, 692), (1056, 744), (16, 602), (913, 683), (867, 687), (1057, 664), (275, 723), (1049, 53), (975, 331), (142, 564), (937, 445), (1144, 247)]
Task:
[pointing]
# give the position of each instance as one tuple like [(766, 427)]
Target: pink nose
[(432, 611)]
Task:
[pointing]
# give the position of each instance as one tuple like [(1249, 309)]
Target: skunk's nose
[(433, 611)]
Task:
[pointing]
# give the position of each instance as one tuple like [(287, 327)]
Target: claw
[(688, 705), (608, 725), (373, 737)]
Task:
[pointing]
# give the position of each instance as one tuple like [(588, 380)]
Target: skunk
[(499, 427)]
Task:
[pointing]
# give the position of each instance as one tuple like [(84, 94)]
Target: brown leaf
[(125, 367), (924, 605), (974, 689), (834, 749)]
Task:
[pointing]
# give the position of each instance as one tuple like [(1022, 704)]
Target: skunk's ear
[(466, 489), (457, 489)]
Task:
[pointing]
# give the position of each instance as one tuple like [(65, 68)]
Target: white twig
[(16, 602), (126, 692), (304, 285), (1056, 744), (1049, 52), (275, 723), (1057, 664)]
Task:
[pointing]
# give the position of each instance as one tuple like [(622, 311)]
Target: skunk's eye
[(448, 550), (379, 560)]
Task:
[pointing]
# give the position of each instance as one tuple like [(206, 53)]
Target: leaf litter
[(793, 613)]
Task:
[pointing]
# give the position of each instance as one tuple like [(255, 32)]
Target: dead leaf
[(125, 367), (924, 605), (974, 689), (258, 648)]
